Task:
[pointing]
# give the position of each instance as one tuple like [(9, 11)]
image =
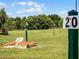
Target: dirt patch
[(22, 44)]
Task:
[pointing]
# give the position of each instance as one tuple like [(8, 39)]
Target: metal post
[(76, 5), (26, 36), (26, 31), (73, 39)]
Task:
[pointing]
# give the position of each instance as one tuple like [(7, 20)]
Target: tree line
[(34, 22)]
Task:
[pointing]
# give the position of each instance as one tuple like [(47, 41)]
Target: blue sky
[(34, 7)]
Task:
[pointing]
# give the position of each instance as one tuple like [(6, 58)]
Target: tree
[(56, 19), (18, 22), (3, 18), (39, 22), (11, 23), (23, 22)]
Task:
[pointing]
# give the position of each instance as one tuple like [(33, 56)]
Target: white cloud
[(2, 5), (30, 8), (26, 10), (23, 3), (30, 3), (63, 12), (33, 7), (9, 13)]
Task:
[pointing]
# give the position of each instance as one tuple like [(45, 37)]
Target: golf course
[(51, 44)]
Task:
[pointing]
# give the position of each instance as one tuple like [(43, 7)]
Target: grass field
[(49, 46)]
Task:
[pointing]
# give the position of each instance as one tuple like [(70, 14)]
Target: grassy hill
[(49, 46)]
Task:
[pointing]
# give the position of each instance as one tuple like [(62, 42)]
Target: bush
[(4, 29)]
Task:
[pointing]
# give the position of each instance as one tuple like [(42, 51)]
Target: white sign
[(71, 22)]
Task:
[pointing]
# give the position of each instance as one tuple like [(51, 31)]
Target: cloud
[(33, 7), (26, 10), (63, 12), (30, 10), (9, 13), (30, 4), (23, 3), (2, 5)]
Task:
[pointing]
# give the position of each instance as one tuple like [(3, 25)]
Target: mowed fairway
[(49, 46)]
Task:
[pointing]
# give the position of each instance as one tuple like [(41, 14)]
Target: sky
[(27, 8)]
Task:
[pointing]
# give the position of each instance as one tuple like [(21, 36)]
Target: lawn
[(49, 46)]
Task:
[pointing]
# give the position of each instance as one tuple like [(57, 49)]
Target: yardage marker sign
[(71, 22)]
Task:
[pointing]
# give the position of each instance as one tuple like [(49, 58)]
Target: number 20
[(73, 22)]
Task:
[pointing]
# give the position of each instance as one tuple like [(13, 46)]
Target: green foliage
[(39, 22), (61, 23), (3, 16), (3, 19), (20, 23), (35, 22), (11, 23), (4, 29), (56, 19)]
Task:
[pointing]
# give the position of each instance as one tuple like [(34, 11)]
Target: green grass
[(49, 46)]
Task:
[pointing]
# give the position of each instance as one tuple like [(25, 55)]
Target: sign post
[(71, 22), (26, 31), (73, 39)]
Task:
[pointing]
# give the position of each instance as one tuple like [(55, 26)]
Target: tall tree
[(11, 23), (18, 22), (3, 18)]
